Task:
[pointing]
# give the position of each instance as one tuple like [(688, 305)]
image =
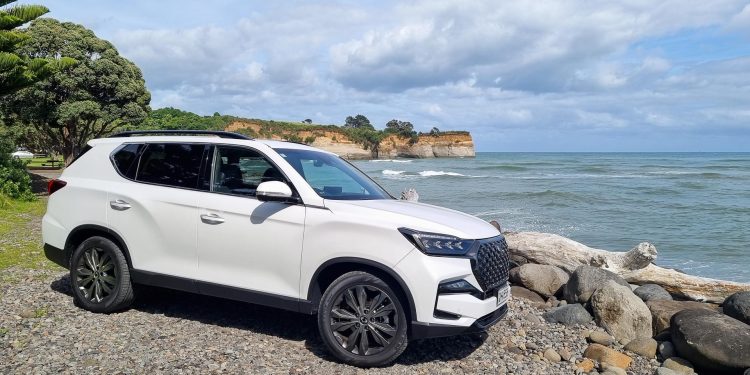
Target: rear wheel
[(362, 321), (100, 277)]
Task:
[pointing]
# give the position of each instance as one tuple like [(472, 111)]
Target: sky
[(522, 75)]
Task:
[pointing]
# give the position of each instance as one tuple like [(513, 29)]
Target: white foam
[(390, 161), (438, 173), (389, 172)]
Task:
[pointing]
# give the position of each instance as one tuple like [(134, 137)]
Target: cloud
[(521, 75)]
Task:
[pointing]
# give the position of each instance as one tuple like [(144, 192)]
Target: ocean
[(694, 207)]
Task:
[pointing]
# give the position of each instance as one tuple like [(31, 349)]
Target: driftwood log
[(636, 266)]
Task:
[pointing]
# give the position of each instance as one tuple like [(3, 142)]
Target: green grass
[(38, 162), (3, 331), (21, 237)]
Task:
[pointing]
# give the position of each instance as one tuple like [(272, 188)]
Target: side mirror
[(274, 191)]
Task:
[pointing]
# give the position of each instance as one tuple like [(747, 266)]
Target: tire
[(342, 320), (100, 277)]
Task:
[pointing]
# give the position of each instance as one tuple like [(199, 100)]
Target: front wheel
[(362, 321), (100, 276)]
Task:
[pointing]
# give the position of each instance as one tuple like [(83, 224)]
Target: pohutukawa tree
[(16, 70), (101, 93)]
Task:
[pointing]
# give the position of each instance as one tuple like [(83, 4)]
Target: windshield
[(332, 177)]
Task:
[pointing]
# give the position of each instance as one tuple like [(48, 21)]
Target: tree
[(307, 121), (434, 131), (100, 94), (14, 180), (175, 119), (399, 127), (19, 71), (358, 122)]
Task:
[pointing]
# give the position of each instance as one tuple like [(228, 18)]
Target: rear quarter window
[(171, 164), (125, 159)]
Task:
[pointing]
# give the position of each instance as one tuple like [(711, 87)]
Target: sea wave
[(440, 173), (389, 172), (390, 161)]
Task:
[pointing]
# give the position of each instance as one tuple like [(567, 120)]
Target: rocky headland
[(329, 138)]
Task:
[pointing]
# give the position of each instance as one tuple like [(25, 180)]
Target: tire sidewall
[(120, 264), (340, 285)]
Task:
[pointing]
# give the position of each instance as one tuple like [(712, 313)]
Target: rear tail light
[(55, 185)]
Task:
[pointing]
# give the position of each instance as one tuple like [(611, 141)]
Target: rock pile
[(685, 337)]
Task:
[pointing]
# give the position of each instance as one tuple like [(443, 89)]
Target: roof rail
[(220, 134)]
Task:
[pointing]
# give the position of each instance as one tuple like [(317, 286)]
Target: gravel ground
[(41, 331)]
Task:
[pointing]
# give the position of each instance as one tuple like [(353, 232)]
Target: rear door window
[(171, 164)]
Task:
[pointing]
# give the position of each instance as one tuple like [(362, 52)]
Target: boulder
[(645, 346), (543, 279), (586, 365), (665, 371), (666, 350), (662, 311), (600, 337), (738, 306), (620, 312), (608, 369), (585, 280), (714, 342), (679, 366), (603, 354), (523, 293), (652, 292), (568, 315)]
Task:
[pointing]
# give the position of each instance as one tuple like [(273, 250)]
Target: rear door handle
[(212, 219), (119, 205)]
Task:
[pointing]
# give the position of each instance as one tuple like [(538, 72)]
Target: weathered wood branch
[(636, 266)]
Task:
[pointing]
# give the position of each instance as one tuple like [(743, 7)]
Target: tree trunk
[(635, 265)]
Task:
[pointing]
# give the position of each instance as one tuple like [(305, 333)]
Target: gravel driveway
[(41, 331)]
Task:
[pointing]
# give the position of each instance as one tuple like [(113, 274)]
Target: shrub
[(14, 180)]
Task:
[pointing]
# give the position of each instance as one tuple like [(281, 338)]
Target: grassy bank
[(21, 235)]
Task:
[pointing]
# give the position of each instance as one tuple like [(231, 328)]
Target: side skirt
[(221, 291)]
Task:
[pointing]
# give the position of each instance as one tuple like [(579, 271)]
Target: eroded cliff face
[(427, 146)]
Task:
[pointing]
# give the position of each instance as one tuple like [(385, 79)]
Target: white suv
[(273, 223)]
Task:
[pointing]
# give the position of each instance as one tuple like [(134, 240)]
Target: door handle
[(119, 205), (212, 219)]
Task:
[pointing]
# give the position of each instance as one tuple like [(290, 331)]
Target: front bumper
[(421, 330)]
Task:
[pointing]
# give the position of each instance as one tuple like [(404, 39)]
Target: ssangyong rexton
[(277, 224)]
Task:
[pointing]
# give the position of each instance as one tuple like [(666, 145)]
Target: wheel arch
[(333, 268), (82, 232)]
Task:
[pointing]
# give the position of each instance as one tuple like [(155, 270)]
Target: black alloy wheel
[(100, 277), (362, 320)]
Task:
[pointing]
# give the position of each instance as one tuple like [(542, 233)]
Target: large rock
[(652, 292), (543, 279), (662, 311), (620, 312), (603, 354), (679, 366), (714, 342), (568, 315), (645, 346), (530, 296), (738, 306), (585, 280)]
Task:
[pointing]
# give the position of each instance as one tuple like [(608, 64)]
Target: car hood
[(417, 216)]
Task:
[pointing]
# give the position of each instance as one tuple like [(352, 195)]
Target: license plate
[(503, 294)]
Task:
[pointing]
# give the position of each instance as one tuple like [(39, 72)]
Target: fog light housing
[(457, 286)]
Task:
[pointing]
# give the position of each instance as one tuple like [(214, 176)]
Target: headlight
[(437, 244)]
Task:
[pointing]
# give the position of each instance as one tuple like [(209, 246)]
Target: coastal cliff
[(334, 139)]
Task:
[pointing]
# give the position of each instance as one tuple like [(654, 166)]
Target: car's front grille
[(490, 264)]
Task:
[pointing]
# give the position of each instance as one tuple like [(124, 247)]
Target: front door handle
[(119, 205), (212, 219)]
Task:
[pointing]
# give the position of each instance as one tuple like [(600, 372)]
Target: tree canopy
[(18, 70), (102, 93), (175, 119), (358, 122)]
